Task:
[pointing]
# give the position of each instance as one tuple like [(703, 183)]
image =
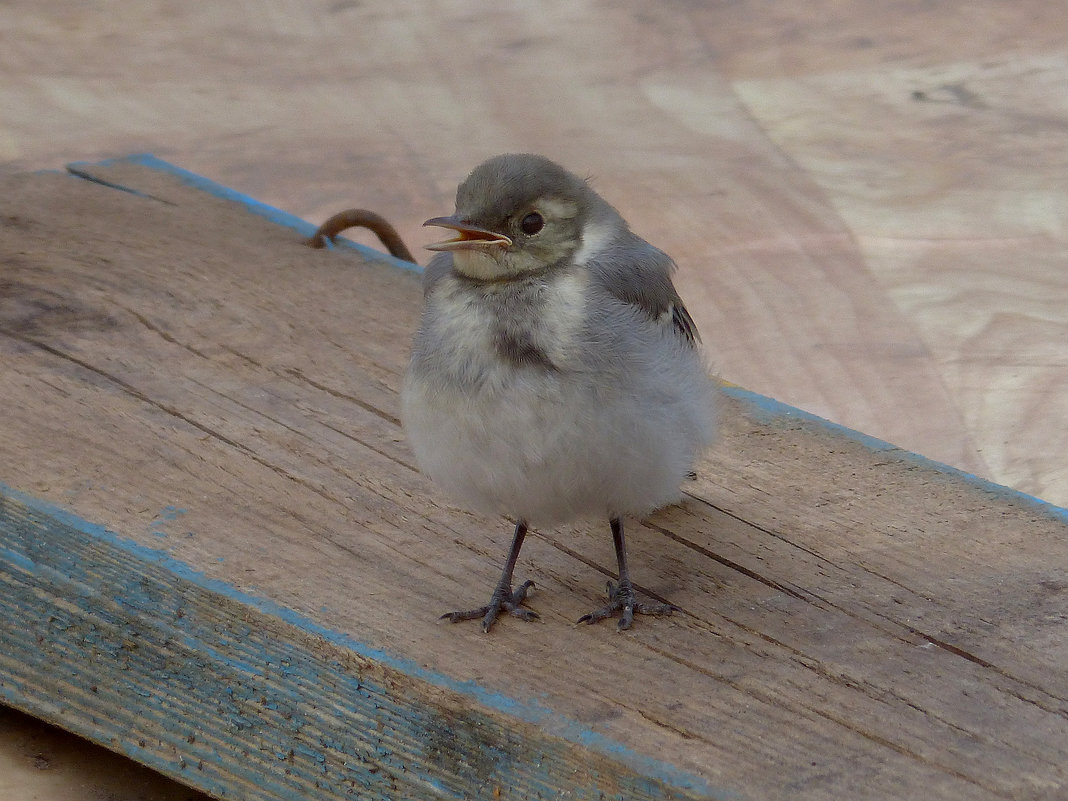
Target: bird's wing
[(637, 273), (683, 322)]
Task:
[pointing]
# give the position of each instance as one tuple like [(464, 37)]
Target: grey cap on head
[(506, 183), (519, 213)]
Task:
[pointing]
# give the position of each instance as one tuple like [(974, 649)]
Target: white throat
[(477, 264)]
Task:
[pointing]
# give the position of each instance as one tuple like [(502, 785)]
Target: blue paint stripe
[(531, 712), (762, 406), (767, 409), (275, 215)]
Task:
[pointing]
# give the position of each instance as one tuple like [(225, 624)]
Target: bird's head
[(518, 214)]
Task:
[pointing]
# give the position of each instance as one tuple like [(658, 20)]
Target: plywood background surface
[(866, 201)]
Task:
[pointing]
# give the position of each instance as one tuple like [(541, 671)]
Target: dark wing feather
[(684, 323), (635, 272)]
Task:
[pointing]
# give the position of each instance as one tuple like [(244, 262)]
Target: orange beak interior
[(468, 237)]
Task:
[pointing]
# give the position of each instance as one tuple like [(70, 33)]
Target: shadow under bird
[(556, 373)]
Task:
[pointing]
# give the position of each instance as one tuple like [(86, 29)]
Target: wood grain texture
[(893, 264), (243, 700), (857, 622)]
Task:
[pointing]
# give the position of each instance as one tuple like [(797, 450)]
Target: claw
[(621, 598), (503, 600)]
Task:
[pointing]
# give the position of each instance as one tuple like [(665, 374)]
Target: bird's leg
[(503, 599), (621, 596)]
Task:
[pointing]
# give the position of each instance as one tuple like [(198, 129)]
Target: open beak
[(468, 237)]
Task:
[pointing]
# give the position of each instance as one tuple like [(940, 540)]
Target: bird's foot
[(503, 600), (621, 598)]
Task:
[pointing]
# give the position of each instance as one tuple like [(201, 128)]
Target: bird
[(555, 373)]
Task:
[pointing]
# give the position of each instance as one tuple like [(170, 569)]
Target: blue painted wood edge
[(275, 215), (761, 406), (543, 717), (768, 410)]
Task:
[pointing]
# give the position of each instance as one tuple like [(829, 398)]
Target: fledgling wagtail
[(555, 373)]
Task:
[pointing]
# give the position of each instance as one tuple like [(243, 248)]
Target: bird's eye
[(532, 223)]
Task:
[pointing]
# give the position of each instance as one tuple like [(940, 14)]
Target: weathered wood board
[(251, 607)]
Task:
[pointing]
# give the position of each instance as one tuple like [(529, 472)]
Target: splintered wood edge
[(90, 171), (239, 697)]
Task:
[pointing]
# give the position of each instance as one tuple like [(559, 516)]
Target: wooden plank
[(858, 622), (244, 699)]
